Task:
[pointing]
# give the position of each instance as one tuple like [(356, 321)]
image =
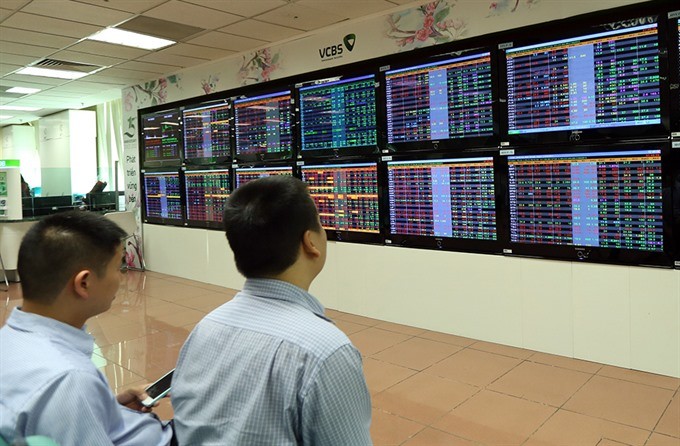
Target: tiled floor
[(428, 388)]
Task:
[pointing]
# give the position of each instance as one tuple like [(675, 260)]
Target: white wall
[(618, 315), (19, 142)]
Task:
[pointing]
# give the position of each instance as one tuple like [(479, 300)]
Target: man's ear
[(308, 244), (81, 283)]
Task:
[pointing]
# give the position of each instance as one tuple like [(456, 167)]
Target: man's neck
[(53, 311)]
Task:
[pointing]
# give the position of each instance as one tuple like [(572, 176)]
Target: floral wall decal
[(426, 25), (505, 6), (150, 93), (258, 67), (210, 85)]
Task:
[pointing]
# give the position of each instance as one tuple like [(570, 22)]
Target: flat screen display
[(162, 197), (206, 133), (453, 197), (338, 114), (610, 200), (346, 196), (448, 99), (206, 192), (674, 62), (606, 80), (161, 138), (263, 126), (245, 174)]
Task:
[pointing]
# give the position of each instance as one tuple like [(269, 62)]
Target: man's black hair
[(265, 221), (59, 246)]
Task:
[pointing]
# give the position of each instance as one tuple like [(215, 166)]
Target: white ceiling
[(32, 30)]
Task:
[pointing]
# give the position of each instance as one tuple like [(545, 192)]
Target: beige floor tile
[(434, 437), (399, 328), (608, 442), (382, 375), (503, 350), (116, 375), (373, 340), (541, 383), (172, 291), (473, 367), (181, 318), (391, 430), (669, 424), (621, 401), (564, 362), (567, 428), (657, 439), (164, 409), (493, 418), (113, 335), (370, 322), (206, 302), (423, 398), (636, 376), (349, 327), (447, 338), (417, 353)]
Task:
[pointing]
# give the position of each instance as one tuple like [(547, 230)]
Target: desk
[(11, 234)]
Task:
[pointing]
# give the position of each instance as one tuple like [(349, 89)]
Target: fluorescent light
[(128, 38), (19, 108), (48, 72), (24, 90), (5, 117)]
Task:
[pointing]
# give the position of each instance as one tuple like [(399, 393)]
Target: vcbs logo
[(335, 51)]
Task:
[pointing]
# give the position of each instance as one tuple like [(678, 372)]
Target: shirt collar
[(280, 290), (52, 329)]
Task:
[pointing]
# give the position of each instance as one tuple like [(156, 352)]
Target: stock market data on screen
[(263, 124), (346, 195), (338, 114), (206, 192), (443, 198), (206, 132), (161, 136), (162, 195), (443, 100), (608, 79), (246, 174), (599, 199)]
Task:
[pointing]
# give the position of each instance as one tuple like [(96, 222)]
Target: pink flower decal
[(259, 67), (425, 25)]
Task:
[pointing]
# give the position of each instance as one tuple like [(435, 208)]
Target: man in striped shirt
[(268, 367)]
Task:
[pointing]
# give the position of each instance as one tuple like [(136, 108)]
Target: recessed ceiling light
[(19, 108), (24, 90), (47, 72), (5, 117), (128, 38)]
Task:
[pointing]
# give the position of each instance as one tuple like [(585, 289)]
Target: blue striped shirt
[(268, 368), (49, 386)]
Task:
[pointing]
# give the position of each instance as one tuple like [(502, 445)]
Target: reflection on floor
[(428, 388)]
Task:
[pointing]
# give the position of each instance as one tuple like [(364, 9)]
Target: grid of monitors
[(338, 115), (162, 197), (206, 133), (434, 201), (263, 126), (206, 192), (438, 101), (346, 196), (244, 174), (161, 138), (605, 204), (597, 85)]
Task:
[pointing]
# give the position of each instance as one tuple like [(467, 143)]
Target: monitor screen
[(443, 203), (444, 100), (674, 61), (206, 192), (602, 81), (206, 133), (339, 114), (346, 196), (162, 199), (263, 126), (245, 174), (161, 138), (609, 200)]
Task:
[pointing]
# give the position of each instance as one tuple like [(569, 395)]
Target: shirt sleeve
[(337, 407), (79, 408)]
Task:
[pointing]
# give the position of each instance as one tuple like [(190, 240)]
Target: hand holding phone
[(158, 390)]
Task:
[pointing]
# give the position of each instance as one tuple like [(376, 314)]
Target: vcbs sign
[(335, 51)]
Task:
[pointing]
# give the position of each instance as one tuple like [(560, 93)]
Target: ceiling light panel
[(48, 72), (18, 108), (129, 38), (160, 28), (23, 90)]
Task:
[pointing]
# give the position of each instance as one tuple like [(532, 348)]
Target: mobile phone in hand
[(158, 390)]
